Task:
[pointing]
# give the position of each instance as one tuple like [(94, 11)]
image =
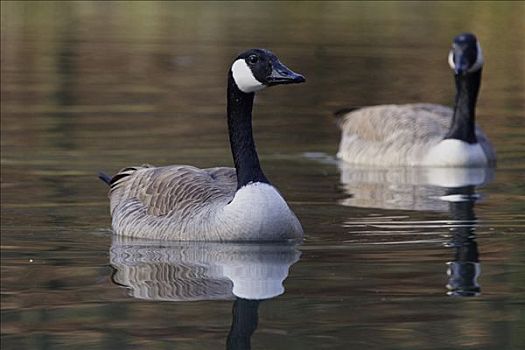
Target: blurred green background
[(89, 86)]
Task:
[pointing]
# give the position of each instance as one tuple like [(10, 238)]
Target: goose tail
[(344, 111), (341, 113), (105, 177)]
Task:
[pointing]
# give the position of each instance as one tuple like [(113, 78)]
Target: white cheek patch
[(451, 60), (477, 65), (243, 76)]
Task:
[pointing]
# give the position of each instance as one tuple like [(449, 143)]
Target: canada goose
[(181, 202), (423, 134)]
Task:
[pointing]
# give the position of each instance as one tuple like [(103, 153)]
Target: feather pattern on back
[(389, 135), (167, 200)]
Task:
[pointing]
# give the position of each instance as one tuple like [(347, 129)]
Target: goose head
[(466, 56), (257, 69)]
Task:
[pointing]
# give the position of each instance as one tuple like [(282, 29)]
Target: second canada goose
[(181, 202), (423, 134)]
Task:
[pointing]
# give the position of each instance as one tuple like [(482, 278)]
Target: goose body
[(182, 202), (423, 134), (409, 135)]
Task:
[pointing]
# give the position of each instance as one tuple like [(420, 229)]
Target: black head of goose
[(466, 59), (423, 134), (182, 202), (252, 71)]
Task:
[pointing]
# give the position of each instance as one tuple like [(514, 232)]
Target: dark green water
[(386, 262)]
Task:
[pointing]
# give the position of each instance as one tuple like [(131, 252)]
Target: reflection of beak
[(283, 75)]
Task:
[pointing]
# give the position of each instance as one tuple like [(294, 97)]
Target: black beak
[(462, 61), (283, 75), (460, 65)]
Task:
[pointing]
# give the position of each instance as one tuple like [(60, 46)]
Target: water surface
[(392, 258)]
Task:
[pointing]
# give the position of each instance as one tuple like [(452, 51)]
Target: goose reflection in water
[(449, 190), (191, 271), (464, 270)]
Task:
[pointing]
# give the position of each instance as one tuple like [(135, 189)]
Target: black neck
[(245, 157), (463, 125)]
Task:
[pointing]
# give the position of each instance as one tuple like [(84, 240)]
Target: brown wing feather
[(382, 123), (173, 189)]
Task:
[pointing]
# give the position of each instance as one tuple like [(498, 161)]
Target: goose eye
[(252, 59)]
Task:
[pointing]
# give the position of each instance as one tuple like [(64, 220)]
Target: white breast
[(456, 153), (259, 212)]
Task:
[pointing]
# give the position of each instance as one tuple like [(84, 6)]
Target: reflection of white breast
[(457, 177), (256, 280), (456, 153), (406, 188)]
